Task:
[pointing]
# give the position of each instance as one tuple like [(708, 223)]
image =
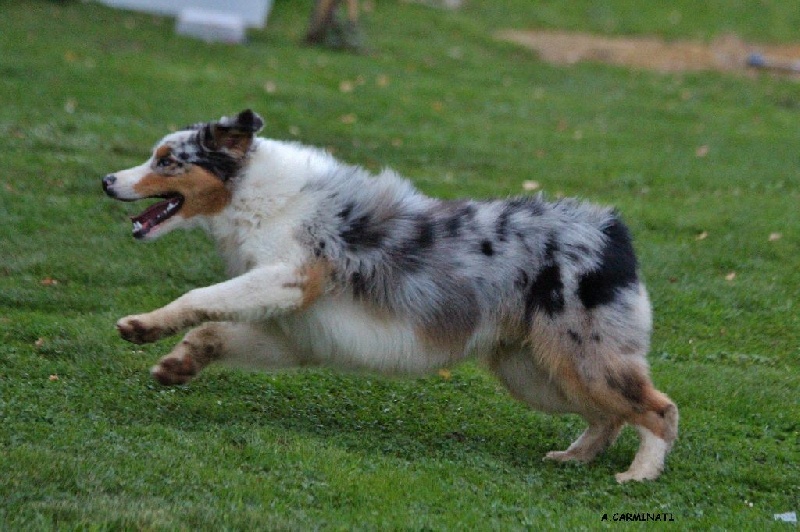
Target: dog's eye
[(163, 162)]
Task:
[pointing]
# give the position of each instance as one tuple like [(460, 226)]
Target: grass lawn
[(705, 168)]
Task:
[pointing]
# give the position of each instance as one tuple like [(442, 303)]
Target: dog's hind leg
[(657, 426), (237, 344), (604, 376), (532, 384)]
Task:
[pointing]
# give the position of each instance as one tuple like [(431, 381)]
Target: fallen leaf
[(39, 342), (53, 378), (445, 373), (270, 87), (346, 86), (349, 118), (731, 276), (702, 236), (455, 53), (530, 185), (702, 151), (49, 281), (775, 236), (437, 107)]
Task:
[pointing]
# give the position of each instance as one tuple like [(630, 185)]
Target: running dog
[(332, 266)]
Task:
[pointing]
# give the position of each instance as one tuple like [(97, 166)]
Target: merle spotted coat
[(330, 265)]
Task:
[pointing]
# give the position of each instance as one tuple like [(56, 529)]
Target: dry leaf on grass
[(530, 186), (775, 236), (731, 276), (702, 236)]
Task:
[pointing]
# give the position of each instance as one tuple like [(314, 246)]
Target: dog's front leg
[(256, 295)]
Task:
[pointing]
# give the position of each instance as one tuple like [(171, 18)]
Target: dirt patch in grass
[(727, 53)]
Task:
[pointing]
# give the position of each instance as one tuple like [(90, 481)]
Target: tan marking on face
[(204, 194), (163, 151)]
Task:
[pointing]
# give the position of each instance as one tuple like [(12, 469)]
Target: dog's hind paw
[(134, 329)]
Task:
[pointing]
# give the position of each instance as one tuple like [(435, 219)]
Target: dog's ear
[(233, 135)]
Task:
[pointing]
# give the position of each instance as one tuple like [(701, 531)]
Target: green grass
[(87, 90)]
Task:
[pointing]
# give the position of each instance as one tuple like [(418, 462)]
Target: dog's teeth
[(137, 226)]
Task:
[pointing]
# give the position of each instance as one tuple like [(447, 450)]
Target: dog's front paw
[(136, 329)]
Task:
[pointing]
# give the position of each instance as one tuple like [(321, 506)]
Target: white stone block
[(210, 26)]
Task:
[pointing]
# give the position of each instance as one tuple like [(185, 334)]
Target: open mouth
[(156, 214)]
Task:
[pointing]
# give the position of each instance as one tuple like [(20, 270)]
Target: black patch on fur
[(359, 285), (411, 255), (344, 214), (426, 234), (575, 337), (628, 384), (221, 165), (486, 248), (522, 279), (453, 226), (461, 214), (362, 233), (596, 338), (546, 293), (617, 268), (501, 230)]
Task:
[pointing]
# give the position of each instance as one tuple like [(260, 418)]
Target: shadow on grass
[(465, 419)]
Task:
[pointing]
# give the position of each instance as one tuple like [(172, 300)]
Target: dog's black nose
[(107, 182)]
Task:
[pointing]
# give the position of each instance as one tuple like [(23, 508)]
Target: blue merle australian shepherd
[(332, 266)]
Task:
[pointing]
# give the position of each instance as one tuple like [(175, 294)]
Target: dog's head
[(188, 171)]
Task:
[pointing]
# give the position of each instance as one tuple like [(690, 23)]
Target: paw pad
[(172, 370)]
